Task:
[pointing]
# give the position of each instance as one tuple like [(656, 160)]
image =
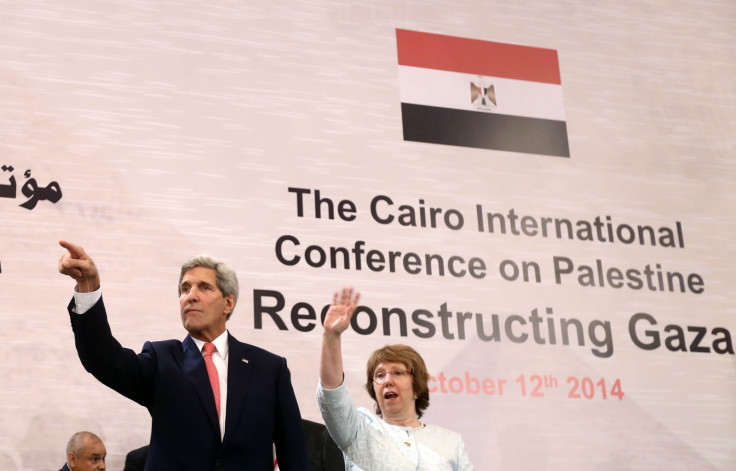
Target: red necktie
[(209, 349)]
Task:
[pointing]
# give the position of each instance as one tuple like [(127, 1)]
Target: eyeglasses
[(380, 377)]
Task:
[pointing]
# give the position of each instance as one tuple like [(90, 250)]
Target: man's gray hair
[(76, 443), (227, 279)]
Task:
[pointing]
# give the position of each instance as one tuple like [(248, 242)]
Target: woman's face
[(395, 395)]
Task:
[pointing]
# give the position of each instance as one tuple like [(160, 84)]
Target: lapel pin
[(245, 360)]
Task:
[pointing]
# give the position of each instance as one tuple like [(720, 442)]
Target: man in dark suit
[(224, 409), (85, 452), (323, 453), (135, 460)]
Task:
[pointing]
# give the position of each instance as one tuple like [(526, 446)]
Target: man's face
[(203, 308), (91, 458)]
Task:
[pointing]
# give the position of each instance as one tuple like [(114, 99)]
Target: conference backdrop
[(537, 196)]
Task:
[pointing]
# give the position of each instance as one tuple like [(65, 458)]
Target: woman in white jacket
[(394, 437)]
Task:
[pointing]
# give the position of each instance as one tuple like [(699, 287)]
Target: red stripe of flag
[(473, 56)]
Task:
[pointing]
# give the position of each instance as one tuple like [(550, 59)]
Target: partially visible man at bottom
[(85, 452)]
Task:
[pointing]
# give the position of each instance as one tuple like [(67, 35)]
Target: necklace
[(414, 429)]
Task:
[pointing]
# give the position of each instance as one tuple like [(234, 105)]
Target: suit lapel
[(192, 364), (239, 372)]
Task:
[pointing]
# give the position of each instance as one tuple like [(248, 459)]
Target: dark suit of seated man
[(322, 452), (135, 460)]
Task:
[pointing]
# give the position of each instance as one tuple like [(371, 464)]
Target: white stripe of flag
[(420, 86)]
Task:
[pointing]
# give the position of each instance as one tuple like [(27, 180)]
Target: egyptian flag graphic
[(482, 94)]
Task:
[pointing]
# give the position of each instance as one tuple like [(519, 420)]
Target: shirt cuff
[(84, 301)]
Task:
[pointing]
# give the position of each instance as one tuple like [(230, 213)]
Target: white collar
[(221, 344)]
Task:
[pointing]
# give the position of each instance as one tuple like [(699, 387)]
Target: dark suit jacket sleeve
[(119, 368)]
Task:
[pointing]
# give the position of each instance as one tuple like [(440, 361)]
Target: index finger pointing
[(74, 250)]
